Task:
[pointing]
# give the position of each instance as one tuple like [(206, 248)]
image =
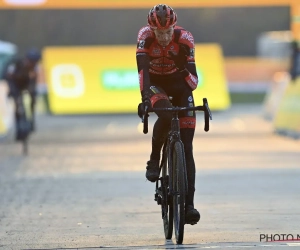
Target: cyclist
[(166, 67), (21, 74)]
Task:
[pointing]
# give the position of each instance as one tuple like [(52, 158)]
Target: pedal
[(155, 196)]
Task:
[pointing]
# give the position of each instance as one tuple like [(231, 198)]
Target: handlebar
[(205, 108)]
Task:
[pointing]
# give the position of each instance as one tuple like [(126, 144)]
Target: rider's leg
[(187, 135), (192, 215), (160, 128), (159, 99), (32, 92), (16, 95), (187, 130)]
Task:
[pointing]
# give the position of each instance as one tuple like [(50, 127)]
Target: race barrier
[(287, 118), (274, 94), (6, 110), (104, 79)]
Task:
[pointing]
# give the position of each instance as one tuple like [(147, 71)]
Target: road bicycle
[(24, 126), (171, 187)]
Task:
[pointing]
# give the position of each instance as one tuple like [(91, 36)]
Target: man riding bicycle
[(21, 74), (166, 67)]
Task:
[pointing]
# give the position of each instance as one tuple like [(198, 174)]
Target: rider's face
[(164, 36)]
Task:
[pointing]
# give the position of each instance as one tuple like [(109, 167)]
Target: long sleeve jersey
[(153, 59)]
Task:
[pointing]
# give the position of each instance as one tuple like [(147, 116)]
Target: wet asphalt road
[(83, 186)]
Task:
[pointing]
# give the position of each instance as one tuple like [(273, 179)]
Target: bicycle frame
[(23, 123), (173, 180), (174, 134)]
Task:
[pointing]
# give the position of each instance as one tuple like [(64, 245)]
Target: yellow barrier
[(287, 119), (104, 79)]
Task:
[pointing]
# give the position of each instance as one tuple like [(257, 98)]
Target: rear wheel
[(25, 146), (178, 164), (24, 132), (166, 206)]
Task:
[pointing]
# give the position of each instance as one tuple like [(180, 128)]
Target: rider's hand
[(181, 58), (142, 107)]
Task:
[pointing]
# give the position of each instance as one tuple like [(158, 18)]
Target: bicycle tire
[(167, 206), (178, 165), (25, 145)]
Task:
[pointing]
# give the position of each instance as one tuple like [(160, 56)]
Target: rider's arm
[(17, 72), (190, 72), (9, 71), (144, 40)]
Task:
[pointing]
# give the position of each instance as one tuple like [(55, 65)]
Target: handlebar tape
[(145, 121), (206, 115), (206, 121)]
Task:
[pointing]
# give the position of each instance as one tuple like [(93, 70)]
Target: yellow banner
[(287, 119), (104, 79), (135, 3)]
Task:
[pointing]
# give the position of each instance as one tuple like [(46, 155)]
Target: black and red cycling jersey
[(153, 61)]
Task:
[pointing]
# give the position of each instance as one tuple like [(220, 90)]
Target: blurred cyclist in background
[(166, 67), (21, 74)]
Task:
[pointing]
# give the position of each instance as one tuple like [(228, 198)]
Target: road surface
[(83, 185)]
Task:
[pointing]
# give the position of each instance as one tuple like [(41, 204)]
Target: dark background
[(236, 29)]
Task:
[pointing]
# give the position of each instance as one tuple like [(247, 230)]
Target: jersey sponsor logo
[(192, 81), (157, 97), (187, 122), (192, 84), (188, 36), (141, 44), (152, 71), (144, 33), (192, 52), (67, 80), (173, 51), (156, 51), (159, 63)]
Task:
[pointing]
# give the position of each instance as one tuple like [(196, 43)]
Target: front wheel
[(178, 166), (166, 206), (24, 128)]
